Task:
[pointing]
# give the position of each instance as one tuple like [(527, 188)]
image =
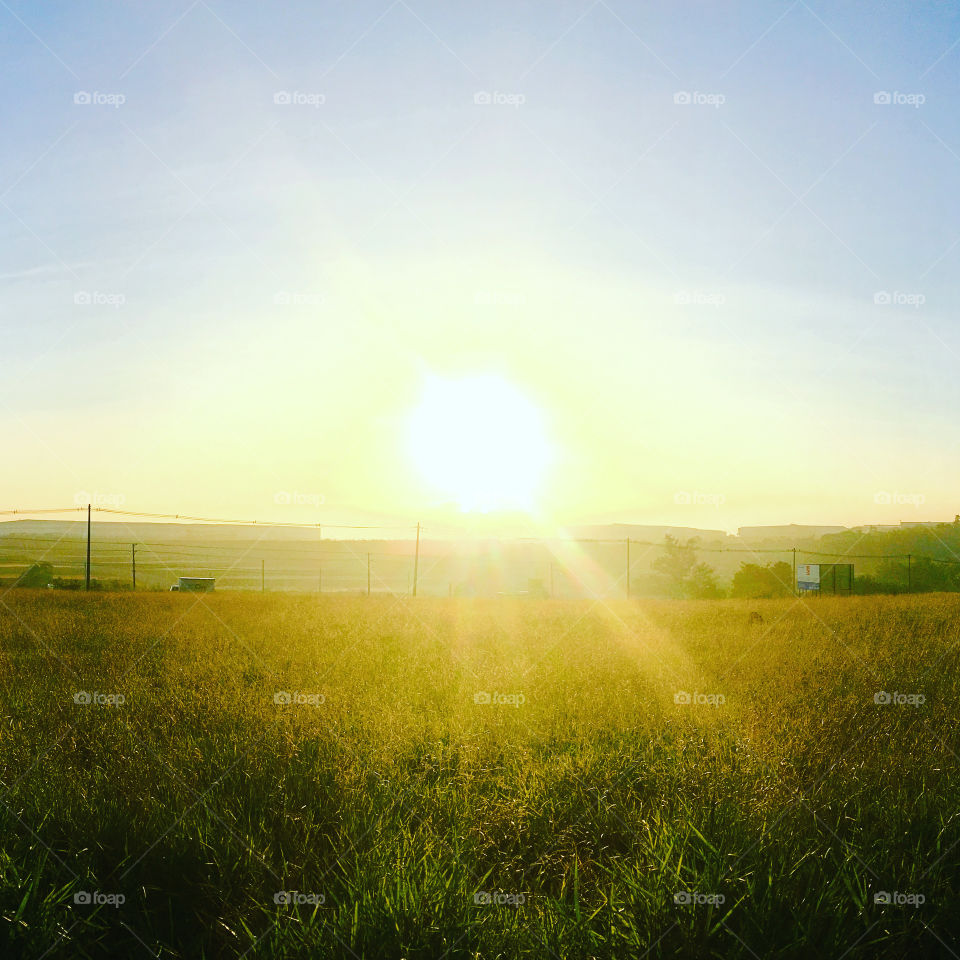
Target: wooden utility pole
[(416, 562), (89, 510), (628, 566), (133, 560)]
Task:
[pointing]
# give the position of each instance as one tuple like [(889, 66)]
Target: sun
[(480, 442)]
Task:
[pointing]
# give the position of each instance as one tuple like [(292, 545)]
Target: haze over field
[(479, 480), (589, 262)]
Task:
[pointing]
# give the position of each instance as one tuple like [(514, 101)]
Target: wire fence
[(560, 566)]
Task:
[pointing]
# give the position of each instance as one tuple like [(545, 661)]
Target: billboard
[(808, 576)]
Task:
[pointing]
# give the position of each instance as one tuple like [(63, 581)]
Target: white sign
[(808, 576)]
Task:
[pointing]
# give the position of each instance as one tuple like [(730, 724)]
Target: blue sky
[(751, 293)]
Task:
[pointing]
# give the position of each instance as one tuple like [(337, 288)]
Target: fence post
[(416, 562), (628, 567)]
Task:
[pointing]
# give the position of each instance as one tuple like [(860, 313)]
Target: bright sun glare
[(479, 441)]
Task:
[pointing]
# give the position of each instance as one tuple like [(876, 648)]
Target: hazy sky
[(687, 234)]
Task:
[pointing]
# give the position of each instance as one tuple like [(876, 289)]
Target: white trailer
[(194, 584)]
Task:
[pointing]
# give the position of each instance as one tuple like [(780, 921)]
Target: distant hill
[(791, 531), (647, 532)]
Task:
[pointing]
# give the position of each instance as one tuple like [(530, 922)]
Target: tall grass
[(583, 801)]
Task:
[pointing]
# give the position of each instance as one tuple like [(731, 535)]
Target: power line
[(120, 545), (254, 523), (191, 519)]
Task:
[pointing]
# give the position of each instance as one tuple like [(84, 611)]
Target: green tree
[(772, 580), (38, 575), (679, 573)]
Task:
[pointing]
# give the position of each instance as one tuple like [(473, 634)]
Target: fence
[(554, 566)]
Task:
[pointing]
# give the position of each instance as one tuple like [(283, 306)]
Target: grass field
[(489, 778)]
